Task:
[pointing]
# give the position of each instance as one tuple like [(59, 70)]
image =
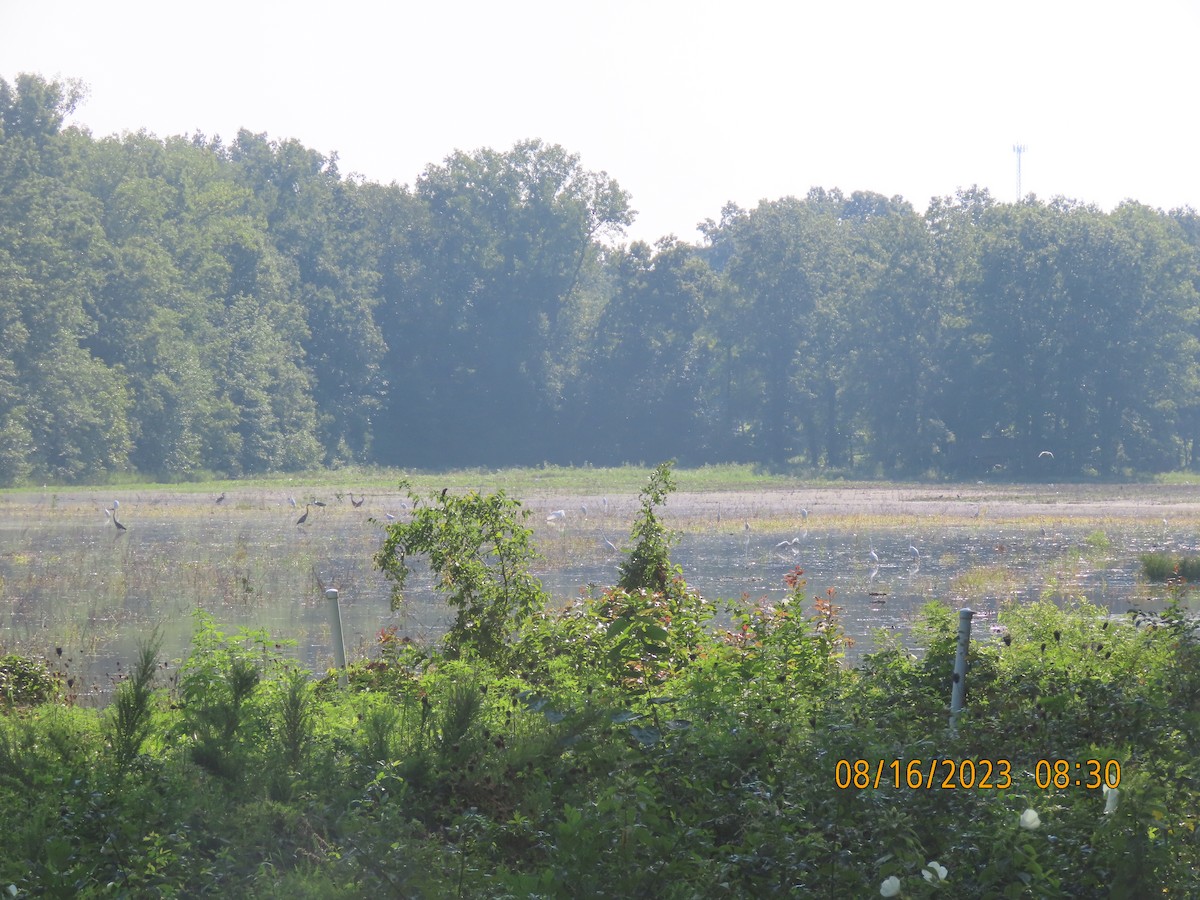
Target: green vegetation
[(1159, 566), (186, 309), (624, 746)]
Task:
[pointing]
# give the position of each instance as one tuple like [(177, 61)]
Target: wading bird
[(357, 503), (120, 528), (221, 499), (1045, 454), (303, 518), (557, 514)]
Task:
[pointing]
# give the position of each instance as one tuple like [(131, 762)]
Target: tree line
[(185, 307)]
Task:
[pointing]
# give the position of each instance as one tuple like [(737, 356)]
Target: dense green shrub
[(27, 682), (1160, 566)]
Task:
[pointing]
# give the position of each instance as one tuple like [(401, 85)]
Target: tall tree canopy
[(185, 306)]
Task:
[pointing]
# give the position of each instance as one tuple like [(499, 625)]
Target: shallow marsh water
[(70, 580)]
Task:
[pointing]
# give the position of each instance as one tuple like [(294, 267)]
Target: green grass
[(559, 479), (1162, 567)]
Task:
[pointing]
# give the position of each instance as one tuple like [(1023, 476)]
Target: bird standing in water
[(303, 518)]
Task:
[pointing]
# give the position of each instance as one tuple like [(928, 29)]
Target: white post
[(335, 628), (959, 688)]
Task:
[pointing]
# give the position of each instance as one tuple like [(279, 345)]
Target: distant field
[(736, 489)]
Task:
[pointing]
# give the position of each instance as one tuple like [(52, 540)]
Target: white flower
[(934, 870), (1030, 820), (1112, 796), (890, 887)]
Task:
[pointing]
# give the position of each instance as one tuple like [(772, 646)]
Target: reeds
[(1162, 567)]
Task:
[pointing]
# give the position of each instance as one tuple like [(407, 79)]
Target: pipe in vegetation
[(335, 633), (959, 689)]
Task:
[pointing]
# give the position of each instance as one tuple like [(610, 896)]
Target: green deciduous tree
[(499, 256), (642, 390)]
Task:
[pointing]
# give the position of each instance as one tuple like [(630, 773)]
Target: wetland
[(81, 594)]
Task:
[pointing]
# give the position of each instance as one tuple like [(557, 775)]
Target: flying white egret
[(1045, 454)]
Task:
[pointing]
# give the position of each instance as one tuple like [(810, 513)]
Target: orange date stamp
[(941, 773), (924, 774)]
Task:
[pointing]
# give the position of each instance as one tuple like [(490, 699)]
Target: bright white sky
[(688, 104)]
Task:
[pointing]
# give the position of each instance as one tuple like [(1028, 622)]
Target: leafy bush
[(1160, 566), (481, 554), (27, 682)]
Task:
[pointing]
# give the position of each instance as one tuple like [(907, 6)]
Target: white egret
[(556, 515)]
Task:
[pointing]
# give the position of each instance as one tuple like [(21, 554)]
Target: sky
[(687, 105)]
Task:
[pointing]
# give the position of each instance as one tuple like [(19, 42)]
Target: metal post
[(959, 689), (335, 628)]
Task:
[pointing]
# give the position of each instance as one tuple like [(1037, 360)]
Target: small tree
[(654, 620), (480, 552), (649, 563)]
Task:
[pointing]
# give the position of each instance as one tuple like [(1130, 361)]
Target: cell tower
[(1019, 149)]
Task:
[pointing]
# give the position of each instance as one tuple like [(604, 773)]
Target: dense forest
[(184, 307)]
